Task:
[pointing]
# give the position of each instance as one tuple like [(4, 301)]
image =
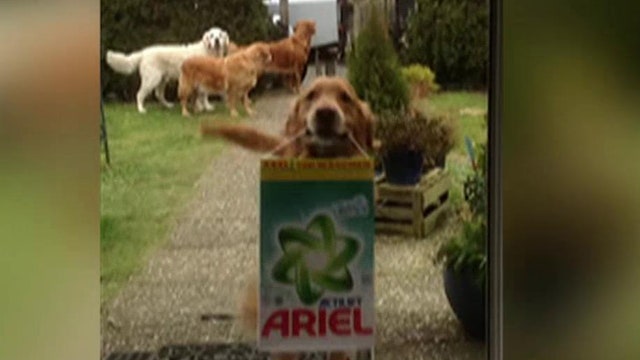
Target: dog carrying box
[(316, 255)]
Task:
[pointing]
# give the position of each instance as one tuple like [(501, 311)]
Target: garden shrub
[(421, 79), (374, 68), (452, 38)]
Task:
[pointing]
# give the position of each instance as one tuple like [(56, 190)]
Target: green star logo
[(315, 259)]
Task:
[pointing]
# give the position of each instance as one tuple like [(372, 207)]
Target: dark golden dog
[(327, 120)]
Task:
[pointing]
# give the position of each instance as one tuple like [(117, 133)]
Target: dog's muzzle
[(326, 134), (327, 122)]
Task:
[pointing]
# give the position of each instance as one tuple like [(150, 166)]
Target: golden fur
[(234, 75), (290, 55), (327, 95)]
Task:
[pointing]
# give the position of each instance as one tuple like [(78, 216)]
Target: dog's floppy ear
[(295, 124), (205, 41), (293, 128), (243, 135)]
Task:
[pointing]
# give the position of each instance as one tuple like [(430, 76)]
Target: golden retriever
[(160, 64), (327, 120), (234, 76), (290, 55)]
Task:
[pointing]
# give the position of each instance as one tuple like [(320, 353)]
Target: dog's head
[(305, 28), (216, 41), (327, 120), (260, 54), (334, 120)]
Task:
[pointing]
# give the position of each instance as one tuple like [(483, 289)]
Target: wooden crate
[(412, 210)]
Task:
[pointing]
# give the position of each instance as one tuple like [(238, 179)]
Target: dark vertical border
[(495, 189)]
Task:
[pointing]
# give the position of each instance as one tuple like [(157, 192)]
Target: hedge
[(130, 25), (452, 38)]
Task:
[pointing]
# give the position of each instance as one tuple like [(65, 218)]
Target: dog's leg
[(185, 89), (160, 89), (247, 104), (150, 79), (198, 104), (185, 109), (185, 98), (231, 103), (293, 83)]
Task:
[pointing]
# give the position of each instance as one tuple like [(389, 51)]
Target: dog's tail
[(245, 136), (123, 63)]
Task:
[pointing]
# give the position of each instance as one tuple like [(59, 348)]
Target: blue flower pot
[(379, 168), (403, 167), (467, 299)]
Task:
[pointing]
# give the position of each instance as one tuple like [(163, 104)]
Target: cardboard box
[(316, 255)]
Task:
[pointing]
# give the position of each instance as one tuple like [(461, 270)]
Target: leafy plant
[(421, 79), (475, 185), (374, 68), (468, 250), (432, 134)]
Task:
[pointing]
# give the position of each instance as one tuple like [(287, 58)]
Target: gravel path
[(190, 286)]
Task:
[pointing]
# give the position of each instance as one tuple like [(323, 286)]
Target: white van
[(323, 12)]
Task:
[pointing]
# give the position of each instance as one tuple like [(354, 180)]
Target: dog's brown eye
[(345, 97), (311, 95)]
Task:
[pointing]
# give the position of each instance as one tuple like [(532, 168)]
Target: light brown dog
[(291, 54), (233, 76), (327, 120)]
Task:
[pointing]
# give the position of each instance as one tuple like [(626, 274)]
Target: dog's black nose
[(326, 121)]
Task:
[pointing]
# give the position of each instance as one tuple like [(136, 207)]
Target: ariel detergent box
[(316, 255)]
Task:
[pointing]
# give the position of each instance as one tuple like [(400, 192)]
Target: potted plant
[(413, 144), (402, 148), (464, 256), (410, 141), (421, 80)]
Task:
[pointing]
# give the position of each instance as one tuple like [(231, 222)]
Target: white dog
[(160, 64)]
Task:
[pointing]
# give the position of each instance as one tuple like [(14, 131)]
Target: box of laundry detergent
[(316, 249)]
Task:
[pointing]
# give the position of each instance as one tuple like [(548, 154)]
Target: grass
[(471, 124), (156, 159)]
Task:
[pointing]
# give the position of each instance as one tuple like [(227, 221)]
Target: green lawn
[(156, 159), (466, 107)]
